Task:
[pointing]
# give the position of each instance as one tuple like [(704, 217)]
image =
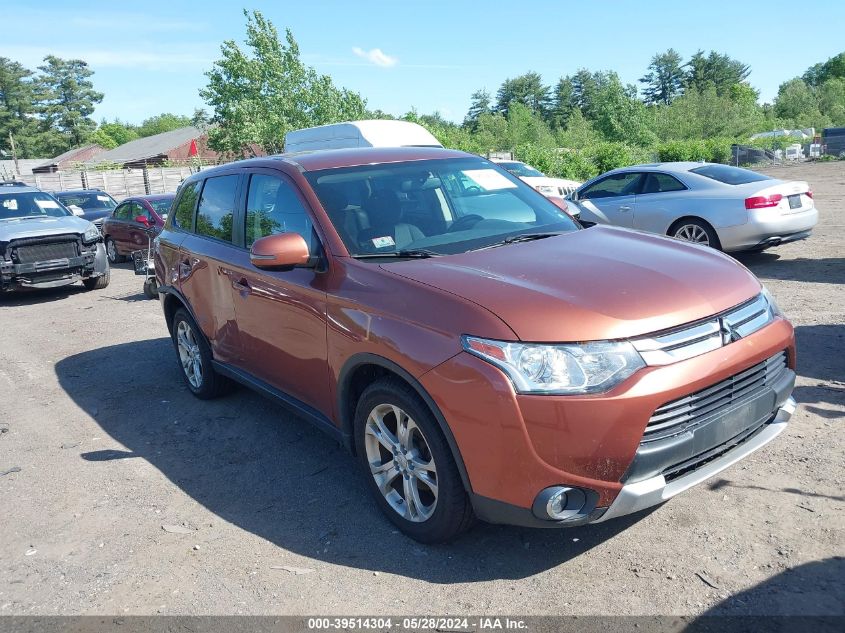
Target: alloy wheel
[(111, 251), (401, 462), (692, 233), (189, 354)]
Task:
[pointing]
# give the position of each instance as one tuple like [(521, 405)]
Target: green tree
[(164, 122), (17, 109), (68, 98), (665, 78), (797, 103), (527, 89), (832, 100), (717, 70), (833, 68), (257, 97), (618, 115), (479, 104)]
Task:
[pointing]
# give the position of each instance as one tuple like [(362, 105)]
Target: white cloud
[(376, 56)]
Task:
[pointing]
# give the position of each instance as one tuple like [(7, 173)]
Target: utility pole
[(14, 153)]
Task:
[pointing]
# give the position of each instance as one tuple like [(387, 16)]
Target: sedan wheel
[(189, 354), (111, 252), (401, 462), (692, 233)]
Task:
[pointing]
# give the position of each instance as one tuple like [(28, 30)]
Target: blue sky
[(150, 57)]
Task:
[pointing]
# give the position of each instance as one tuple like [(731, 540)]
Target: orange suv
[(478, 353)]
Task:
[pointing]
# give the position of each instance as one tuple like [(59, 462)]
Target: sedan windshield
[(29, 204), (521, 169), (161, 206), (433, 207), (88, 201)]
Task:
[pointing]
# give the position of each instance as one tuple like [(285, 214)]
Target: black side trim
[(171, 290), (297, 406), (502, 513), (346, 421)]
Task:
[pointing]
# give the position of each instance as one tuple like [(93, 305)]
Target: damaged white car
[(43, 245)]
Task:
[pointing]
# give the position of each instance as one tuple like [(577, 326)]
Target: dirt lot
[(111, 447)]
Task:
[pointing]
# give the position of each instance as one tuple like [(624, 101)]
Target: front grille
[(690, 411), (31, 253), (704, 336), (99, 223)]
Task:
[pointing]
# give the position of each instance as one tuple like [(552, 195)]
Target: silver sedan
[(725, 207)]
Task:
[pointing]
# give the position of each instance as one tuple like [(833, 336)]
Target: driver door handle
[(624, 207)]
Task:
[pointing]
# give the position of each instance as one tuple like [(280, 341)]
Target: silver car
[(725, 207)]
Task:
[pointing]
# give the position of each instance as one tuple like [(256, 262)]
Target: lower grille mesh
[(32, 253), (684, 413)]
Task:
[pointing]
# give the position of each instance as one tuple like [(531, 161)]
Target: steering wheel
[(465, 222)]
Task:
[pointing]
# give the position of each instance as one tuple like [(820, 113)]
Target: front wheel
[(111, 252), (695, 231), (408, 464), (97, 283)]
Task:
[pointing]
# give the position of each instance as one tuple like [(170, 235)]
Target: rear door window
[(124, 211), (183, 217), (216, 210)]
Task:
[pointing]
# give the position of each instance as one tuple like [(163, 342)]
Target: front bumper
[(768, 227), (515, 446), (53, 273), (655, 490)]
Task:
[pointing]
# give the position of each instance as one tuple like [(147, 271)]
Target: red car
[(129, 226)]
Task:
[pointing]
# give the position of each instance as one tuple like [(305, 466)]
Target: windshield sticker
[(11, 203), (47, 204), (489, 179), (103, 198), (383, 242)]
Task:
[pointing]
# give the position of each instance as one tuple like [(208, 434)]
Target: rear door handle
[(624, 207), (241, 285)]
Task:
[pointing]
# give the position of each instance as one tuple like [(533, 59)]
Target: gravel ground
[(111, 448)]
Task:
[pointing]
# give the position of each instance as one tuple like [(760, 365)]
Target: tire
[(695, 231), (194, 357), (112, 254), (97, 283), (409, 464)]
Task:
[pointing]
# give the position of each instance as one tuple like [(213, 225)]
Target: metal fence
[(119, 183)]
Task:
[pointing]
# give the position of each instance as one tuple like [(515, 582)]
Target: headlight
[(776, 311), (559, 369), (546, 189), (92, 234)]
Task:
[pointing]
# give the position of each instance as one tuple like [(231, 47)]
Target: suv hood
[(17, 228), (599, 283)]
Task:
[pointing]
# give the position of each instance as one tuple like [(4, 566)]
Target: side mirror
[(282, 251), (142, 219), (560, 203)]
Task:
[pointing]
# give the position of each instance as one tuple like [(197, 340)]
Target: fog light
[(560, 503)]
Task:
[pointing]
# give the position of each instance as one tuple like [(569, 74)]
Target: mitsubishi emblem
[(729, 335)]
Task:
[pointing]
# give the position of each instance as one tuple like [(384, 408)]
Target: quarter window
[(273, 207), (183, 217), (217, 207), (660, 183), (624, 184)]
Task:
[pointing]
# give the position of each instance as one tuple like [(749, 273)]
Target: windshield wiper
[(411, 253), (522, 237)]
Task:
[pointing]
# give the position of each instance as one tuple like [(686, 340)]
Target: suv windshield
[(29, 204), (440, 207), (88, 201), (729, 175), (521, 169)]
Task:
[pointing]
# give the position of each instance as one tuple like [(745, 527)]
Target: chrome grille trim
[(705, 336), (679, 415)]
